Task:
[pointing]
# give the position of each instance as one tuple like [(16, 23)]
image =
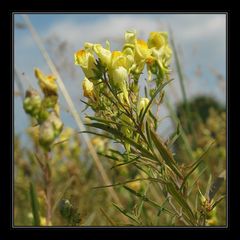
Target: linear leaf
[(117, 134), (165, 153), (147, 200), (196, 164), (129, 215), (180, 199)]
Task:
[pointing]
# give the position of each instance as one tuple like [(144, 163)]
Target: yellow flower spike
[(157, 39), (88, 88), (86, 61), (47, 83), (103, 54)]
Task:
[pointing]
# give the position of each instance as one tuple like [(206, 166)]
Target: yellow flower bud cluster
[(121, 66), (46, 110)]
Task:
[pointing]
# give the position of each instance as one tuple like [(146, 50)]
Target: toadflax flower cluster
[(111, 81)]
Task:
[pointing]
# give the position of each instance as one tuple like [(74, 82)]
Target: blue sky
[(200, 38)]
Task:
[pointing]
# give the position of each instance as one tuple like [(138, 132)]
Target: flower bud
[(119, 77), (46, 134), (56, 123), (65, 208), (49, 101), (88, 88), (42, 115), (130, 36), (142, 104), (32, 103)]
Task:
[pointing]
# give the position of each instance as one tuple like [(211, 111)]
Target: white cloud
[(111, 27)]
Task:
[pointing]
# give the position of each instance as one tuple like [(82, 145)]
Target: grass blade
[(35, 204), (195, 165)]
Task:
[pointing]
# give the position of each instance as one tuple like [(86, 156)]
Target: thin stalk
[(48, 188), (183, 89), (71, 105), (183, 134)]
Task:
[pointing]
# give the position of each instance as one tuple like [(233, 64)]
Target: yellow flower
[(103, 54), (46, 83), (161, 52), (142, 52), (157, 39), (88, 88), (86, 61)]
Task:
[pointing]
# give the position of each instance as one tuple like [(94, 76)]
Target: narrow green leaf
[(35, 204), (196, 164), (129, 215), (180, 199), (134, 180), (117, 134), (147, 200), (98, 134), (166, 154), (149, 136), (101, 120)]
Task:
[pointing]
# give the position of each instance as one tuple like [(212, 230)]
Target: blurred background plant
[(74, 175)]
